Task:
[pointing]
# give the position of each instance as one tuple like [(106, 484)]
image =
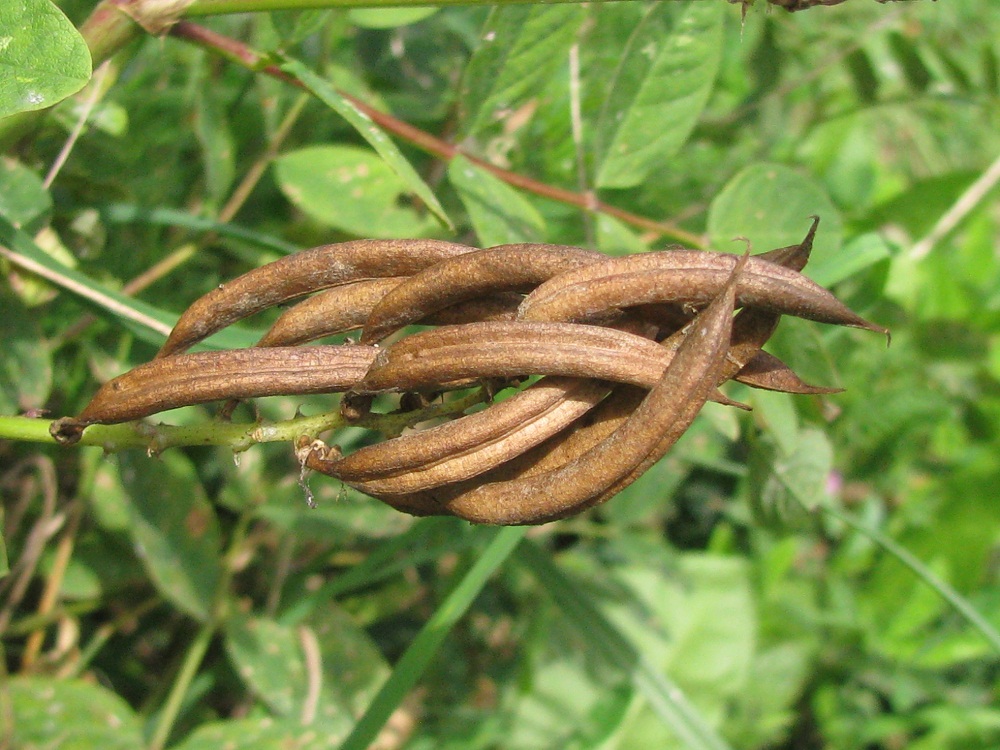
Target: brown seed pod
[(692, 278), (662, 416), (299, 274), (346, 307), (470, 445), (200, 377), (506, 268), (435, 358)]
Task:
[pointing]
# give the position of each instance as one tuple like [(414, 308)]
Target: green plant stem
[(239, 436), (172, 706)]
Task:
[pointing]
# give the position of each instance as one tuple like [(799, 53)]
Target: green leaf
[(522, 47), (25, 362), (606, 639), (659, 91), (70, 715), (268, 657), (353, 667), (770, 205), (372, 133), (260, 734), (43, 59), (860, 253), (23, 197), (349, 188), (800, 477), (388, 18), (499, 213), (174, 528)]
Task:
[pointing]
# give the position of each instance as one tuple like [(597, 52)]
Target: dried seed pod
[(346, 307), (435, 358), (200, 377), (607, 467), (769, 373), (506, 268), (299, 274), (692, 278), (470, 445)]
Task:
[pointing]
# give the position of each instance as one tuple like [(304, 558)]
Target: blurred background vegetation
[(752, 590)]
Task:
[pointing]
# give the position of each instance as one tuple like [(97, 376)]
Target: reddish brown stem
[(247, 57)]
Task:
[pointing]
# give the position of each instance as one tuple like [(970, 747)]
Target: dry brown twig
[(630, 349)]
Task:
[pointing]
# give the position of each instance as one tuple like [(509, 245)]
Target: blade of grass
[(149, 322), (962, 605), (664, 696), (125, 213), (418, 656)]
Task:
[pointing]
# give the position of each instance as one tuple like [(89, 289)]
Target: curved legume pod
[(435, 358), (505, 268), (299, 274), (470, 445), (659, 419), (689, 277), (200, 377), (346, 307)]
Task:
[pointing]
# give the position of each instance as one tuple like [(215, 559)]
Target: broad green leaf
[(70, 715), (353, 666), (376, 137), (661, 86), (388, 18), (770, 204), (801, 476), (499, 213), (522, 47), (260, 734), (43, 59), (858, 254), (268, 657), (615, 642), (174, 529), (150, 323), (23, 197), (349, 188), (25, 362), (615, 238)]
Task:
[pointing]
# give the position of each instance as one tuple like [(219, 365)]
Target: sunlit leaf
[(664, 80), (174, 529), (70, 715), (498, 212), (522, 47), (349, 188), (770, 204), (376, 137), (43, 58)]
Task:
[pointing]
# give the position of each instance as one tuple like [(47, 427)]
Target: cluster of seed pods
[(630, 349)]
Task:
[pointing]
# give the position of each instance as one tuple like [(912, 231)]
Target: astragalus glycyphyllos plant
[(597, 328)]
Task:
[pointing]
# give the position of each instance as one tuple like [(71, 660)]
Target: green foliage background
[(747, 592)]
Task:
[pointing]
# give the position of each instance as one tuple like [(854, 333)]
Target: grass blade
[(418, 656), (665, 697)]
